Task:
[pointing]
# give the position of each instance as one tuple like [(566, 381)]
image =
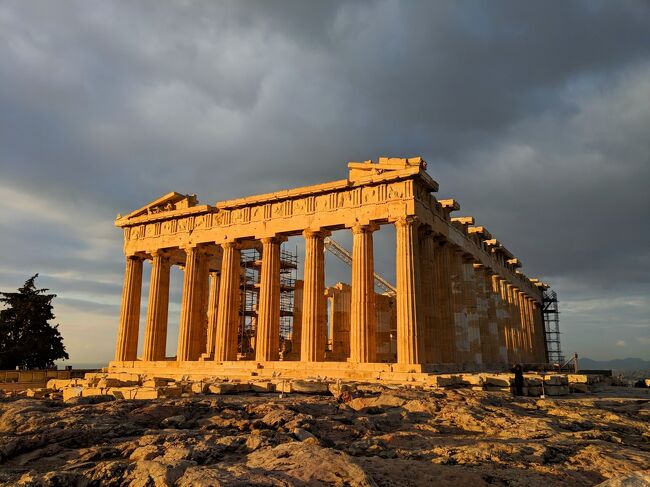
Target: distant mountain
[(616, 364)]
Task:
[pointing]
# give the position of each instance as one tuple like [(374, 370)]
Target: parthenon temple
[(460, 301)]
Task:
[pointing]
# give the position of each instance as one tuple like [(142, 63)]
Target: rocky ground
[(375, 436)]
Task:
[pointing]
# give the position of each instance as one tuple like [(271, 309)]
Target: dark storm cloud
[(533, 115)]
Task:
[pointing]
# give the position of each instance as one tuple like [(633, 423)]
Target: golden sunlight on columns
[(501, 319), (225, 340), (362, 310), (486, 315), (410, 336), (515, 323), (503, 289), (527, 335), (542, 352), (431, 342), (313, 302), (191, 304), (127, 335), (461, 331), (213, 303), (155, 338), (267, 339), (470, 300), (443, 311)]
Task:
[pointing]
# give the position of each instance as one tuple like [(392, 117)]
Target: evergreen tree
[(26, 337)]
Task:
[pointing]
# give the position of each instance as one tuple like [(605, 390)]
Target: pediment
[(169, 202)]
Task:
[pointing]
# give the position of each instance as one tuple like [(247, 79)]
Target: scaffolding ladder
[(551, 315)]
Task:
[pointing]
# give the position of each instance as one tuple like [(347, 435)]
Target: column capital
[(162, 253), (358, 228), (408, 220), (135, 257), (231, 244), (273, 239), (315, 232)]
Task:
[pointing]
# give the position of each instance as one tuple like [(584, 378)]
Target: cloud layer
[(534, 117)]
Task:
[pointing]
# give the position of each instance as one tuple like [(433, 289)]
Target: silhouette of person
[(519, 379)]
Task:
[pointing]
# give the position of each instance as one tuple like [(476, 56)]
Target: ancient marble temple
[(460, 300)]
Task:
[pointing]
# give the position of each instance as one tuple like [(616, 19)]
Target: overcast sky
[(536, 119)]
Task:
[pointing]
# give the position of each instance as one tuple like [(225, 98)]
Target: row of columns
[(450, 309)]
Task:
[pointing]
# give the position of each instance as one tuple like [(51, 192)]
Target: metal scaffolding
[(551, 316), (251, 264)]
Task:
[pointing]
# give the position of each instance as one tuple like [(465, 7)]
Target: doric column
[(362, 310), (155, 338), (410, 336), (443, 306), (431, 339), (267, 339), (213, 306), (502, 320), (460, 321), (509, 332), (486, 315), (190, 327), (313, 299), (470, 300), (227, 322), (515, 322), (542, 351), (526, 328), (127, 336)]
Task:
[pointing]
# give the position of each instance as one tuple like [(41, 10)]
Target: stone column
[(509, 332), (190, 325), (443, 305), (313, 299), (501, 319), (515, 322), (362, 313), (155, 338), (431, 346), (470, 301), (541, 332), (227, 325), (126, 348), (486, 315), (526, 328), (213, 310), (410, 336), (460, 321), (267, 340)]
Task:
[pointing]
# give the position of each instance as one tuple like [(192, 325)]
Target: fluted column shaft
[(410, 336), (526, 327), (509, 331), (225, 347), (515, 322), (127, 335), (267, 340), (470, 301), (363, 325), (155, 338), (312, 345), (431, 341), (190, 326), (460, 321), (501, 318), (443, 306), (486, 315), (213, 307)]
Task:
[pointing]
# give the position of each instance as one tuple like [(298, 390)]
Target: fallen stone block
[(146, 393), (93, 391), (112, 382), (283, 387), (309, 387), (199, 387), (496, 389), (443, 380), (38, 393), (533, 381), (552, 390), (472, 379), (265, 386), (578, 378), (156, 382), (556, 380), (223, 388), (170, 391), (535, 391), (71, 392), (336, 389), (243, 387), (578, 387), (498, 380)]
